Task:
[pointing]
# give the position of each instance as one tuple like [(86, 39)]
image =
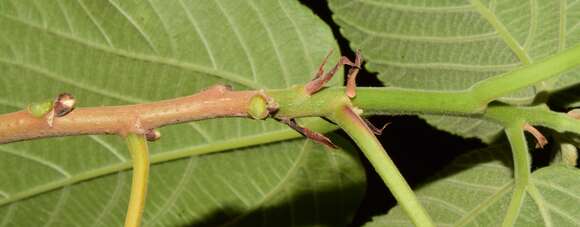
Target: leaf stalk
[(140, 154), (356, 128)]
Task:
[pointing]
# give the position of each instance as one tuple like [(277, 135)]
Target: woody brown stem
[(217, 101)]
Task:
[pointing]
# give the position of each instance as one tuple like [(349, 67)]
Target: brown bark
[(214, 102)]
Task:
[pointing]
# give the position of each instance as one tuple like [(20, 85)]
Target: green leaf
[(475, 190), (122, 52), (450, 45)]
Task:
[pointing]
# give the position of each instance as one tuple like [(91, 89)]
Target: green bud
[(258, 108), (40, 109)]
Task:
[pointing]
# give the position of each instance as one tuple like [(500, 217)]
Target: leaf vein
[(533, 24), (6, 219), (558, 188), (135, 25), (275, 47), (94, 21), (484, 204), (481, 187), (562, 26), (419, 38), (108, 146), (500, 28), (239, 38), (423, 9), (50, 75), (300, 36), (176, 191), (59, 204), (199, 33), (563, 213), (43, 162), (452, 66), (146, 58), (113, 200), (274, 191), (448, 205)]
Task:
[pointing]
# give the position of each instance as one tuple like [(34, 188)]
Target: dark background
[(418, 149)]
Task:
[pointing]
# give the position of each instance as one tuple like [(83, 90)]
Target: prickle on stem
[(315, 136), (541, 140)]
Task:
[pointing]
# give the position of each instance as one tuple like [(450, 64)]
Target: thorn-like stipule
[(315, 136), (541, 140), (319, 80), (351, 77), (320, 71), (374, 129)]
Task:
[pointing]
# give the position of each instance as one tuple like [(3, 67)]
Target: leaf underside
[(450, 45), (475, 190), (122, 52)]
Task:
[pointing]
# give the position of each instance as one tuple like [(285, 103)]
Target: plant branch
[(492, 88), (356, 128), (140, 154), (535, 115), (217, 101), (293, 103)]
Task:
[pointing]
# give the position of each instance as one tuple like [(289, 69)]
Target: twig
[(217, 101)]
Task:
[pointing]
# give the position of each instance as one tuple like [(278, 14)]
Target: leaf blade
[(122, 52)]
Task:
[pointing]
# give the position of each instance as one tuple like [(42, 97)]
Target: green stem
[(498, 86), (353, 125), (522, 171), (535, 115), (295, 103), (140, 155)]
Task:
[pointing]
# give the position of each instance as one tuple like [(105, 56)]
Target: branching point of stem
[(356, 128)]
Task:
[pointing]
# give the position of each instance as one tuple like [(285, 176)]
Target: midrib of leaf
[(241, 142), (143, 57), (486, 203), (502, 31)]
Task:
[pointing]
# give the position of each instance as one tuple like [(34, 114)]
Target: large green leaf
[(476, 188), (450, 45), (119, 52)]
